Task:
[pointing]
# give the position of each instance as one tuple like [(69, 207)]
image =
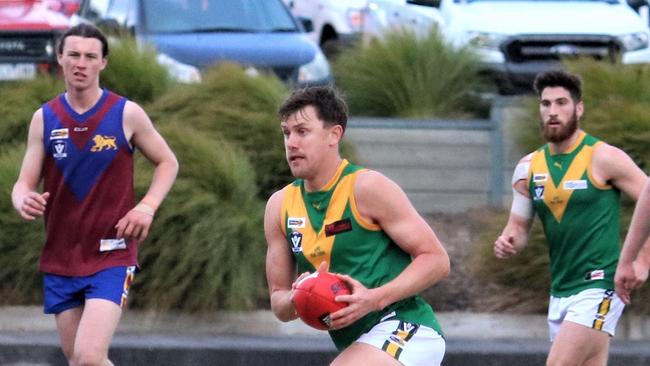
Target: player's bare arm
[(514, 236), (24, 197), (279, 261), (633, 265), (612, 165), (139, 130), (381, 201)]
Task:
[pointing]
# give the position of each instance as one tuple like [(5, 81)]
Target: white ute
[(516, 39), (338, 23)]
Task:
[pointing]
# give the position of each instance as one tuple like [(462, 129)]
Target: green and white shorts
[(411, 344), (595, 308)]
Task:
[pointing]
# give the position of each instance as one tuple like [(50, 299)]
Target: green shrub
[(616, 111), (133, 71), (206, 249), (407, 76), (524, 279), (240, 108), (19, 102), (20, 242)]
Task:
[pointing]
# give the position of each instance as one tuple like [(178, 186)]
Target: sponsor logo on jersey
[(106, 245), (103, 143), (295, 239), (338, 227), (539, 193), (598, 274), (80, 129), (296, 222), (575, 184), (60, 133), (540, 177), (59, 150), (317, 252)]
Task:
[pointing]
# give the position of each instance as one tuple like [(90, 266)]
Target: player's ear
[(335, 135), (580, 109)]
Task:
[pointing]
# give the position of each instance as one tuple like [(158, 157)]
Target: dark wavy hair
[(559, 78), (86, 31)]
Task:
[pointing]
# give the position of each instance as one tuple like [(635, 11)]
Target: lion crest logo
[(103, 143)]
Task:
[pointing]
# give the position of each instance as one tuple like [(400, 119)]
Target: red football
[(314, 296)]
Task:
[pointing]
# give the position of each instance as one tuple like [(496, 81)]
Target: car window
[(179, 16)]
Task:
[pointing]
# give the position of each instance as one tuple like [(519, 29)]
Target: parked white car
[(517, 39), (339, 23)]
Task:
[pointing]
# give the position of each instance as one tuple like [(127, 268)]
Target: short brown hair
[(330, 106)]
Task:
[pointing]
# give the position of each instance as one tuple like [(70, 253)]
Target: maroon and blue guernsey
[(88, 171)]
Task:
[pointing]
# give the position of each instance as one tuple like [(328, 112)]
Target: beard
[(556, 135)]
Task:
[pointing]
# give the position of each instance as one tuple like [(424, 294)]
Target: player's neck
[(82, 100), (567, 144), (324, 176)]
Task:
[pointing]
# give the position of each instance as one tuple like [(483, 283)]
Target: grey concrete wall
[(444, 165)]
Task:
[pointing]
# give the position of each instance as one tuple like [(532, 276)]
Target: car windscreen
[(195, 16)]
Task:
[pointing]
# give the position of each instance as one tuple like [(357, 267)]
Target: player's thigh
[(364, 354), (575, 344), (67, 323), (97, 326)]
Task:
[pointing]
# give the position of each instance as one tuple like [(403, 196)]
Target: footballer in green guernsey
[(358, 224), (573, 184)]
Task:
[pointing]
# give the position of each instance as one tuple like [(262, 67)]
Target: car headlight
[(634, 41), (316, 70), (485, 40)]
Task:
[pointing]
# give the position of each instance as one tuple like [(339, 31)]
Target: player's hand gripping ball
[(314, 296)]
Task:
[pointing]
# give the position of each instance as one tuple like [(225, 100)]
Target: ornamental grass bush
[(20, 240), (19, 102), (238, 108), (206, 249), (403, 75), (616, 111), (133, 71)]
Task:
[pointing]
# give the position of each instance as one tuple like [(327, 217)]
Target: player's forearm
[(282, 306), (163, 179), (423, 272), (20, 190), (639, 228), (643, 258)]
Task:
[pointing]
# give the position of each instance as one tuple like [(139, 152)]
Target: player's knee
[(560, 360), (88, 358)]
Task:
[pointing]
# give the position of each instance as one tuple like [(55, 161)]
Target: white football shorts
[(595, 308), (410, 344)]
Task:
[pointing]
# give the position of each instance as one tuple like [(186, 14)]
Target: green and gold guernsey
[(326, 226), (579, 215)]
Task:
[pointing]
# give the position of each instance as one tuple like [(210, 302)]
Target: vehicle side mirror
[(431, 3), (637, 4), (307, 24)]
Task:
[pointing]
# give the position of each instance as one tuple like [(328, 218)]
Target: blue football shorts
[(61, 293)]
